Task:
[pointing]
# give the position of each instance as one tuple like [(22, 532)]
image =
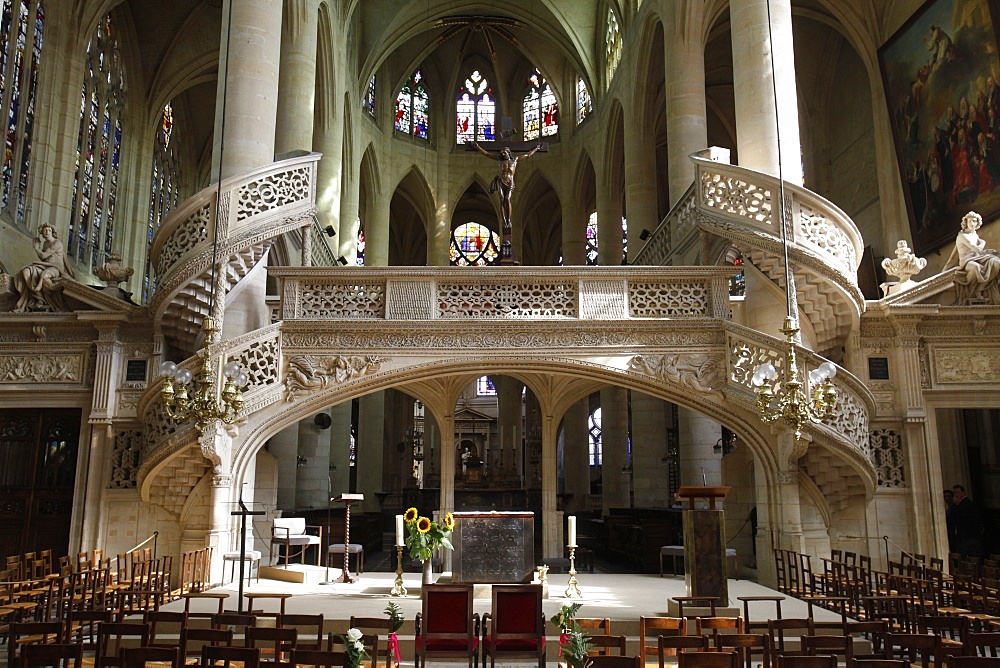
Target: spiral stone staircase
[(609, 324)]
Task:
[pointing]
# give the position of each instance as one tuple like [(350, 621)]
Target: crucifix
[(503, 182)]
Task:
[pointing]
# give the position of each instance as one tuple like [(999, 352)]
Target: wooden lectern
[(347, 500), (704, 542)]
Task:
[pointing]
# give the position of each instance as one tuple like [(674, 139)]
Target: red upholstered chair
[(446, 626), (515, 627)]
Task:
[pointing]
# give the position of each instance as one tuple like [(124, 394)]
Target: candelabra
[(787, 400), (572, 588), (398, 589), (201, 404)]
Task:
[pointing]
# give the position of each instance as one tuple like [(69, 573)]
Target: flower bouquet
[(424, 537), (573, 642), (354, 645)]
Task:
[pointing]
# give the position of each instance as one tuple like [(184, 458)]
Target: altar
[(493, 547)]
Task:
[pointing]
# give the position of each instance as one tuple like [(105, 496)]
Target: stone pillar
[(509, 408), (609, 228), (370, 449), (787, 530), (377, 233), (700, 464), (649, 444), (439, 234), (284, 446), (340, 448), (576, 456), (640, 180), (447, 449), (687, 129), (248, 93), (756, 87), (614, 449), (574, 233), (311, 483), (219, 538), (297, 83), (349, 207), (552, 538)]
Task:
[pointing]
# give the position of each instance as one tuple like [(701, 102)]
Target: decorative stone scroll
[(696, 371), (311, 373)]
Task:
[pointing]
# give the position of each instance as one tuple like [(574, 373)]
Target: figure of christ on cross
[(504, 181)]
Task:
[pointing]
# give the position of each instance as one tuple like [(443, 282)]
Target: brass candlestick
[(398, 589), (571, 587)]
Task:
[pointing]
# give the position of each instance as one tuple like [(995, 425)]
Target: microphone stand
[(329, 500)]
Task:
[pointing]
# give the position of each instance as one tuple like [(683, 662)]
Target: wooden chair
[(319, 658), (81, 627), (373, 627), (194, 640), (652, 627), (805, 661), (446, 626), (746, 645), (782, 629), (515, 626), (677, 645), (275, 644), (309, 627), (983, 644), (911, 646), (25, 634), (973, 662), (242, 657), (879, 663), (55, 655), (165, 628), (292, 532), (874, 632), (720, 659), (602, 645), (114, 636), (714, 626), (615, 662), (954, 631), (138, 657), (828, 644)]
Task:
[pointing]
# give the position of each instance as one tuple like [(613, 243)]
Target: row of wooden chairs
[(69, 655)]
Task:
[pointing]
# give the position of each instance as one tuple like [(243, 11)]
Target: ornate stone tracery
[(887, 450)]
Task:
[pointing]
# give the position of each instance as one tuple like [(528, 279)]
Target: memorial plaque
[(493, 547)]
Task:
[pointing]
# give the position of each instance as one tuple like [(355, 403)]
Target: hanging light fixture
[(788, 399), (204, 403)]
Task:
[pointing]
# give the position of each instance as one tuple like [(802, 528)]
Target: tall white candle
[(399, 531), (571, 525)]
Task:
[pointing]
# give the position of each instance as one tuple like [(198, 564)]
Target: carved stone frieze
[(696, 371), (965, 366), (308, 373), (41, 368)]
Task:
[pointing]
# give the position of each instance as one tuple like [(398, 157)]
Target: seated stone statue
[(978, 275), (38, 284)]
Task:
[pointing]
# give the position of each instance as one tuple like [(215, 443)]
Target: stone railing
[(480, 293), (280, 191), (855, 403), (746, 198)]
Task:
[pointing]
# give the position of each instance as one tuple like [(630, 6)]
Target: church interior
[(257, 254)]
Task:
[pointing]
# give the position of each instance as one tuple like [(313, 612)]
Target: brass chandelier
[(788, 399)]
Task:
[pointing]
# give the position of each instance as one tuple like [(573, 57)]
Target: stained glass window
[(738, 283), (163, 194), (540, 109), (584, 105), (361, 245), (592, 239), (474, 244), (596, 445), (412, 104), (612, 46), (370, 97), (95, 186), (475, 110), (21, 25), (485, 387)]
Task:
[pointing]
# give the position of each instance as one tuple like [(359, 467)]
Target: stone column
[(576, 456), (370, 449), (609, 228), (220, 520), (649, 444), (756, 86), (552, 538), (787, 529), (347, 238), (640, 180), (248, 86), (509, 408), (311, 483), (700, 464), (447, 449), (377, 232), (439, 233), (297, 83), (340, 448), (284, 446), (574, 233), (615, 483), (687, 129)]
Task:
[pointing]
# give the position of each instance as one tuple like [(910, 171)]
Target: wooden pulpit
[(704, 542)]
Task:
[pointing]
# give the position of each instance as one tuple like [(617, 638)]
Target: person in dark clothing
[(949, 517), (968, 525)]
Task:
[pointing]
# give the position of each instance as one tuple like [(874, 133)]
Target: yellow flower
[(423, 525), (410, 516), (449, 521)]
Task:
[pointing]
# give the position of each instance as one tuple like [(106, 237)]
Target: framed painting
[(941, 71)]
